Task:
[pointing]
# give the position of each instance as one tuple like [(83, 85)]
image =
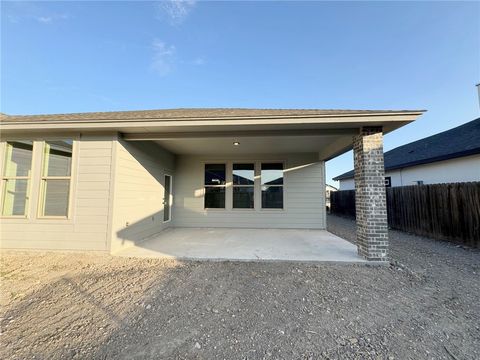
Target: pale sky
[(59, 57)]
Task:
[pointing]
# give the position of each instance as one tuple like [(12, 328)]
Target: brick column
[(370, 196)]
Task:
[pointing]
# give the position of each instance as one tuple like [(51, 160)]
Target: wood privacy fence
[(440, 211), (343, 203)]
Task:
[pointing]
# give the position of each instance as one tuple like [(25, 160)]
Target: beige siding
[(138, 191), (87, 227), (304, 195), (118, 190)]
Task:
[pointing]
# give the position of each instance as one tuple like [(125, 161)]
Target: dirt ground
[(425, 305)]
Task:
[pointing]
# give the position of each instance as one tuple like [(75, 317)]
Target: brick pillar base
[(370, 196)]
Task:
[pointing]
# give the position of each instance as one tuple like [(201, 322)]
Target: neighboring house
[(448, 157), (105, 181), (328, 190)]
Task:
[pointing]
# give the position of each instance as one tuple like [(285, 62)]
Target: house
[(328, 189), (448, 157), (105, 181)]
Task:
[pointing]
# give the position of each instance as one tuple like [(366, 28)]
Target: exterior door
[(167, 199)]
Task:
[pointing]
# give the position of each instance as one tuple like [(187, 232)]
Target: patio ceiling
[(254, 144), (329, 136)]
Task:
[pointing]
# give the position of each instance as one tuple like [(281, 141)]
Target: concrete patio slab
[(245, 244)]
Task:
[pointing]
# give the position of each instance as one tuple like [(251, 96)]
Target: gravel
[(424, 305)]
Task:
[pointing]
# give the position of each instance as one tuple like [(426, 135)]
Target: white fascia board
[(136, 125)]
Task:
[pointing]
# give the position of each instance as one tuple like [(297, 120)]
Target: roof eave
[(5, 121), (399, 118)]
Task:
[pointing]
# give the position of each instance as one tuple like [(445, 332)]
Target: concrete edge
[(194, 259)]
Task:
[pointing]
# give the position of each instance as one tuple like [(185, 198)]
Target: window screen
[(56, 177), (16, 177), (243, 186), (272, 185), (215, 180)]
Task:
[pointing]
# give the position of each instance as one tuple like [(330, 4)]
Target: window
[(215, 186), (16, 177), (388, 181), (272, 185), (56, 176), (167, 203), (243, 186)]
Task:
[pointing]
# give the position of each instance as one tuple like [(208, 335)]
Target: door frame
[(170, 199)]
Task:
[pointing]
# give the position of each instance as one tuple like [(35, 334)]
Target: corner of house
[(111, 201)]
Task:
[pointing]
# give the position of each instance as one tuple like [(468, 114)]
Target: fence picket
[(440, 211)]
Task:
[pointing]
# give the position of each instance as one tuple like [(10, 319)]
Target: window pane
[(243, 197), (272, 174), (166, 198), (58, 158), (18, 160), (214, 174), (272, 197), (56, 197), (15, 197), (243, 174), (214, 197)]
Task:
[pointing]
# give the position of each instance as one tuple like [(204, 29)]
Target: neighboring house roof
[(330, 187), (192, 113), (461, 141)]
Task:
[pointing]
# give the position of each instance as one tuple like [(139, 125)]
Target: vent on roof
[(478, 89)]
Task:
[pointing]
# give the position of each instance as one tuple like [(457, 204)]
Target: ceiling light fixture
[(236, 143)]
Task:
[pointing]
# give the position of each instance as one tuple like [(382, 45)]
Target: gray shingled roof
[(457, 142), (189, 113)]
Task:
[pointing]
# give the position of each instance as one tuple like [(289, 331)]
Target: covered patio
[(246, 245), (250, 185), (201, 183)]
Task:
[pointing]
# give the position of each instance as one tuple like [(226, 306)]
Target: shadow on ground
[(148, 308)]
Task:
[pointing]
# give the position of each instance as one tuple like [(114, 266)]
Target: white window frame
[(245, 186), (170, 197), (5, 179), (211, 186), (44, 179), (282, 186)]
